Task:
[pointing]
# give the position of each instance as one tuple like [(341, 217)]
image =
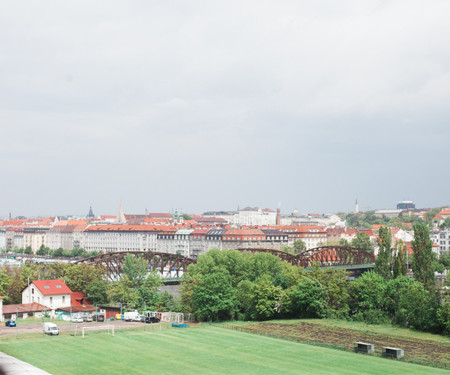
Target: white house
[(51, 293)]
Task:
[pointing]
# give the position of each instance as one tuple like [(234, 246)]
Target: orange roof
[(122, 228), (15, 223)]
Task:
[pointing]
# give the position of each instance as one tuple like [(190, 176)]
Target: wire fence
[(419, 361)]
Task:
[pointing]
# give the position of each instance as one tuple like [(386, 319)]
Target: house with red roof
[(440, 217), (23, 311), (51, 293)]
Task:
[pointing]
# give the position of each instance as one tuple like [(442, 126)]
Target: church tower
[(121, 217)]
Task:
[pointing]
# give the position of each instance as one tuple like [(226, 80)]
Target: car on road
[(10, 323), (150, 319)]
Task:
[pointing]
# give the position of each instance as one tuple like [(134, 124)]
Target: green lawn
[(195, 350)]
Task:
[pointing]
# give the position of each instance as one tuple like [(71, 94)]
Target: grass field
[(195, 350)]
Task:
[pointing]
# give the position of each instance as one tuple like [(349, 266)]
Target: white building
[(35, 237), (181, 242), (113, 238), (51, 293), (441, 238), (246, 216), (2, 238)]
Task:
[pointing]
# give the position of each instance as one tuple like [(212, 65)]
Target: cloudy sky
[(207, 105)]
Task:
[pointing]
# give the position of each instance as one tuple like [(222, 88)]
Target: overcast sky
[(207, 105)]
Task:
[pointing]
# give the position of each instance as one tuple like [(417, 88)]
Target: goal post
[(109, 328)]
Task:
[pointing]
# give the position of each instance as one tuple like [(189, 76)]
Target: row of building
[(166, 233), (175, 239)]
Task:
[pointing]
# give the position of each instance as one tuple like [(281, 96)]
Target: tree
[(43, 250), (399, 267), (263, 298), (28, 250), (309, 299), (362, 241), (213, 297), (123, 292), (58, 252), (417, 308), (97, 292), (383, 260), (136, 269), (299, 246), (78, 252), (445, 259), (166, 302), (148, 291), (79, 276), (367, 292), (4, 281), (445, 224), (422, 265), (336, 285)]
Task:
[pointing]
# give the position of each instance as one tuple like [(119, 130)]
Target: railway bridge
[(173, 266)]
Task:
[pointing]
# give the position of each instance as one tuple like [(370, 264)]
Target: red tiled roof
[(122, 228), (78, 299), (24, 308), (51, 287)]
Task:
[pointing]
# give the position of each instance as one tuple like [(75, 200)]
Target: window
[(58, 286), (63, 299), (46, 287), (51, 300), (32, 290)]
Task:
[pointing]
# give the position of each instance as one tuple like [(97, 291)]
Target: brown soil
[(414, 349)]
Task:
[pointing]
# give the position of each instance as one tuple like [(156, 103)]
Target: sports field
[(195, 350)]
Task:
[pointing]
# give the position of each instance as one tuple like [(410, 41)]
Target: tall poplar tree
[(383, 260), (399, 268), (423, 256)]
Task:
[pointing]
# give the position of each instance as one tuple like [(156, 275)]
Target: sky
[(211, 105)]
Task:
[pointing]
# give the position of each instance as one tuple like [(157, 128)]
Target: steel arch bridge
[(172, 266), (168, 265), (325, 256)]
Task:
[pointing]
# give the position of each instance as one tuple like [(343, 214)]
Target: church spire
[(90, 215), (121, 217)]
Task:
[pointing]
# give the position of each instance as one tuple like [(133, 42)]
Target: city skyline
[(205, 106)]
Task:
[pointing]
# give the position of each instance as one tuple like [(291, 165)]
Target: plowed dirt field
[(416, 350)]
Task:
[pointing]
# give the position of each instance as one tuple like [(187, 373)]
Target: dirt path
[(414, 349), (64, 327)]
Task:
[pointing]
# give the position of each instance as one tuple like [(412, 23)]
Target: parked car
[(151, 319), (87, 318), (97, 317), (77, 320), (10, 323)]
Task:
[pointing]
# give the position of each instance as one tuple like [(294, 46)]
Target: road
[(27, 328)]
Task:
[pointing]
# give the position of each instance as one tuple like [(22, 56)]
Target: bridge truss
[(174, 265), (325, 256), (168, 265)]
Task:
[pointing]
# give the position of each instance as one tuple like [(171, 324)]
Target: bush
[(372, 316)]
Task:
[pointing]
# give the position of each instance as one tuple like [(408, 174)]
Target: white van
[(131, 315), (51, 329)]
